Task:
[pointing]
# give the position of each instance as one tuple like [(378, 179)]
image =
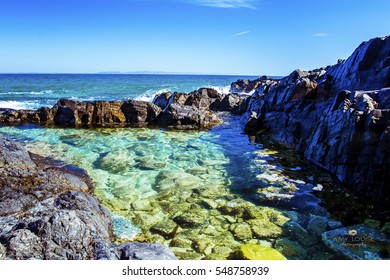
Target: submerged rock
[(257, 252), (290, 249)]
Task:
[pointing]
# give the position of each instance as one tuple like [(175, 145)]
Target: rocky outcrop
[(338, 117), (248, 86), (204, 99), (47, 213), (184, 116), (180, 110)]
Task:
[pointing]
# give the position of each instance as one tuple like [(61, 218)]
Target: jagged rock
[(184, 116), (234, 103), (204, 99), (162, 100), (247, 86), (140, 112), (338, 117), (366, 69), (143, 251)]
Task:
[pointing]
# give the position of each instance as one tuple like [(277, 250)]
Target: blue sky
[(193, 36)]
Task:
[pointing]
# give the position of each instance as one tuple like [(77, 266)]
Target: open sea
[(202, 193), (32, 91)]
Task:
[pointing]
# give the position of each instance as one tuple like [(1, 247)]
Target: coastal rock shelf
[(180, 110), (338, 117)]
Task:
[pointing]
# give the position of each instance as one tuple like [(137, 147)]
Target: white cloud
[(249, 4), (240, 33), (320, 34)]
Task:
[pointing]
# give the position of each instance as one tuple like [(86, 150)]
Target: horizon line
[(127, 73)]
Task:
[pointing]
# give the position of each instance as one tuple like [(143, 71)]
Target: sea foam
[(150, 94), (19, 105)]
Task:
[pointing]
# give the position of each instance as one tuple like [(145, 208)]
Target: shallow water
[(203, 193)]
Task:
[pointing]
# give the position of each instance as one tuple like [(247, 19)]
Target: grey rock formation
[(185, 116), (204, 99), (338, 117), (46, 213)]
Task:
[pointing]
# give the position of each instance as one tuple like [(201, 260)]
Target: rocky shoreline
[(338, 117), (46, 212), (194, 110)]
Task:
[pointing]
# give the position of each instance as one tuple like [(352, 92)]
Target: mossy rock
[(209, 203), (241, 231), (181, 242), (174, 209), (264, 228), (192, 219), (226, 238), (166, 228), (257, 252), (221, 252), (146, 221), (142, 205), (202, 245), (212, 230), (187, 255), (210, 192)]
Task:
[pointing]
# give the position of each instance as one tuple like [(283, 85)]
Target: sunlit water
[(129, 165), (202, 193)]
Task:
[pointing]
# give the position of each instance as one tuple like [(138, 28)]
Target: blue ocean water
[(32, 91)]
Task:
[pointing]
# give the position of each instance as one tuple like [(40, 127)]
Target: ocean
[(32, 91), (202, 193)]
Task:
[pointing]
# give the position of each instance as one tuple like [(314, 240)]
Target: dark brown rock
[(140, 112), (187, 117)]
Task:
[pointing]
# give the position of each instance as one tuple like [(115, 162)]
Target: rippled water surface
[(203, 193)]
